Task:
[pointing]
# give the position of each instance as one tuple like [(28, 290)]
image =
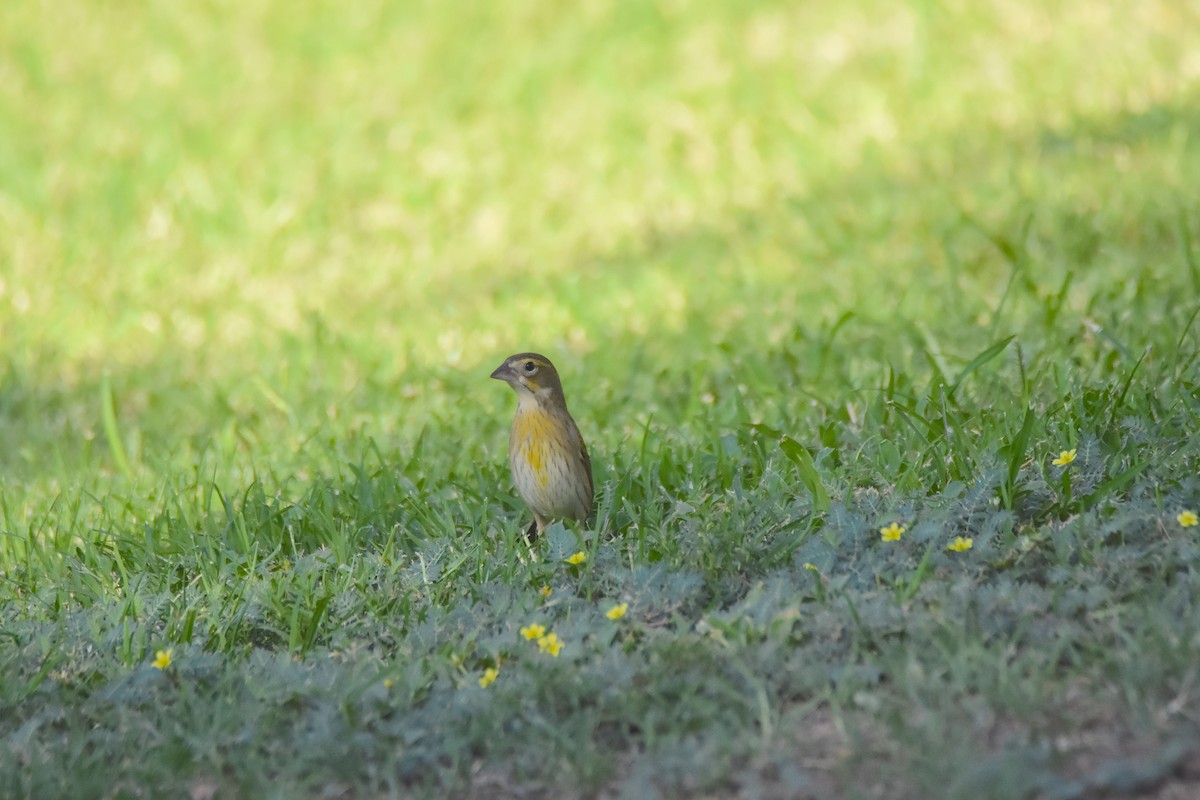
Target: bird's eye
[(530, 367)]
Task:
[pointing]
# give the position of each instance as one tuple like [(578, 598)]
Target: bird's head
[(531, 376)]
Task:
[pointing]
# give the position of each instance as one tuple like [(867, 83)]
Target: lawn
[(810, 271)]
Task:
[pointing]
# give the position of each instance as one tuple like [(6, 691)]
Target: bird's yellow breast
[(533, 434)]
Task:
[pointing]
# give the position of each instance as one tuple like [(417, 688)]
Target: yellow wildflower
[(811, 567), (577, 559), (533, 631), (489, 675), (388, 683), (550, 643), (617, 611), (545, 591), (892, 532), (961, 543), (1065, 457), (162, 659), (1188, 519)]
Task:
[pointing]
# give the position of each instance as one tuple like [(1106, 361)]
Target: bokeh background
[(268, 220)]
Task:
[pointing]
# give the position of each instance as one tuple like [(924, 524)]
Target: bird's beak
[(502, 372)]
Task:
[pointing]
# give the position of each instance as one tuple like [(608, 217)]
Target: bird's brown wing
[(587, 466), (590, 500)]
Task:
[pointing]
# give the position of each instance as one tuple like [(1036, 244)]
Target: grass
[(807, 271)]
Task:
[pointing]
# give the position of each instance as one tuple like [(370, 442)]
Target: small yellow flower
[(162, 659), (387, 683), (550, 643), (811, 567), (545, 591), (489, 675), (892, 532), (617, 611), (961, 543), (533, 631), (1188, 519), (1064, 458), (577, 559)]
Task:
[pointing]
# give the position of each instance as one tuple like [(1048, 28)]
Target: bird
[(549, 461)]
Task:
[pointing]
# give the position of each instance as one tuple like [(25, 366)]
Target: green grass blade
[(978, 361), (112, 432), (808, 472)]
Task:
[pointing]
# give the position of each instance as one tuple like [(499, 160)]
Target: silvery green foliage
[(777, 606)]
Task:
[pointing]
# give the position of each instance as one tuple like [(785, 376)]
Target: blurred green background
[(268, 221)]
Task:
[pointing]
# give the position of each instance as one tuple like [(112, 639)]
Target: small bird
[(549, 461)]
